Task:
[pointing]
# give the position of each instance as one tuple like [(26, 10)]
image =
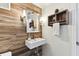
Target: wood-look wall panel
[(37, 35), (9, 18), (19, 50), (16, 6), (18, 42), (10, 22), (20, 29), (33, 7), (16, 46), (4, 38), (12, 32), (5, 35), (9, 27), (5, 42), (4, 49), (4, 24), (8, 12), (19, 39), (29, 6), (7, 30), (4, 45)]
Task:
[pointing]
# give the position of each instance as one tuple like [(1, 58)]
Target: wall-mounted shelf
[(61, 17)]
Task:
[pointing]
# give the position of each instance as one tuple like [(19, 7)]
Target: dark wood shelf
[(61, 17)]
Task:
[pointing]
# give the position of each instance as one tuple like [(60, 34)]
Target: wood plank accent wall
[(8, 12), (12, 33), (30, 6)]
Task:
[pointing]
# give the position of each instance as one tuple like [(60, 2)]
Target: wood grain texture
[(30, 6), (12, 33), (8, 12)]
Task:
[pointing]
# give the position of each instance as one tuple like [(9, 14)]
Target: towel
[(56, 29)]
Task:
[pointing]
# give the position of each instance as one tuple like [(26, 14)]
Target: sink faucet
[(30, 36)]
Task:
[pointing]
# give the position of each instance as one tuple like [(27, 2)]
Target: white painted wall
[(64, 45), (5, 5)]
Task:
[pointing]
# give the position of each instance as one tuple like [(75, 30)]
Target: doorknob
[(77, 43)]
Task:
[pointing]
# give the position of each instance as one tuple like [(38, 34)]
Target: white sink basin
[(33, 43)]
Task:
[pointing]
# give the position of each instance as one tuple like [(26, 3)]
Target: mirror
[(31, 21)]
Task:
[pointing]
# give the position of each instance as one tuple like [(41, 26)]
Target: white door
[(77, 30)]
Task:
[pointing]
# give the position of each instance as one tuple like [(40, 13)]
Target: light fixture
[(24, 13)]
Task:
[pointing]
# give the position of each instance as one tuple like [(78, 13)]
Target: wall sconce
[(24, 13), (23, 17)]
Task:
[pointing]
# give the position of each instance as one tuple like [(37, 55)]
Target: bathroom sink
[(33, 43)]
